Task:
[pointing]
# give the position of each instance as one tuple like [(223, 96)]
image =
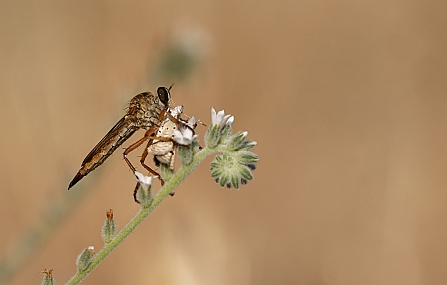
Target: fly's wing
[(112, 140)]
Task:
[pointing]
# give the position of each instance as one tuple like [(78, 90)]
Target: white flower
[(184, 137), (230, 121), (220, 118), (145, 181)]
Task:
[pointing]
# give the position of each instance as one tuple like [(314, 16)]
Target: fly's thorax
[(145, 109)]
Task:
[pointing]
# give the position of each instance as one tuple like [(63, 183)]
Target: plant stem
[(168, 187)]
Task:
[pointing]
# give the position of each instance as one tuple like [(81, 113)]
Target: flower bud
[(85, 258), (236, 142), (247, 157), (248, 145)]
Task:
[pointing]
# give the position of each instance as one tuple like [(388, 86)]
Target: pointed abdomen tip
[(75, 180)]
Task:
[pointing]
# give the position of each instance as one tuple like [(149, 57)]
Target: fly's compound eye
[(164, 95)]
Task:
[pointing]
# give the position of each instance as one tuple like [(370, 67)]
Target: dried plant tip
[(47, 272), (108, 231), (109, 215), (48, 278)]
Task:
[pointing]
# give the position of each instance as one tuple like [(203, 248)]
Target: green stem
[(168, 187)]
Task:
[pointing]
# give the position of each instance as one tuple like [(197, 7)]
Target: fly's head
[(164, 95)]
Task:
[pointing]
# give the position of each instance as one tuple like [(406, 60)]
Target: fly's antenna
[(169, 89), (171, 102)]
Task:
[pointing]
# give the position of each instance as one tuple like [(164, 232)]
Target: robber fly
[(145, 111)]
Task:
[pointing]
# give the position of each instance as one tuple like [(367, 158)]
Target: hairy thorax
[(144, 109)]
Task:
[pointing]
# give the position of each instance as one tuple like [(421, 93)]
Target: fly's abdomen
[(114, 138)]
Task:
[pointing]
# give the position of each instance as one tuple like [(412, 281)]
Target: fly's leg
[(135, 145), (135, 191)]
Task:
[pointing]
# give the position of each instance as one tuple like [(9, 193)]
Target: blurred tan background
[(346, 99)]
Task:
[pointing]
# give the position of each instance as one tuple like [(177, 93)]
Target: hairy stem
[(168, 187)]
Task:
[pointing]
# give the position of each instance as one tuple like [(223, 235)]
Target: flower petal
[(144, 180)]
